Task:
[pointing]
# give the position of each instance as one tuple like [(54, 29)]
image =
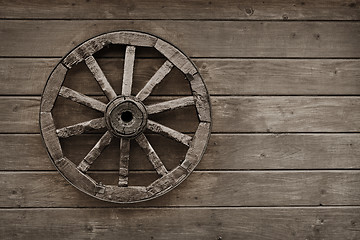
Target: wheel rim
[(125, 117)]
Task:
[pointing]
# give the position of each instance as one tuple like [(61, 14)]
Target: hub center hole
[(127, 116)]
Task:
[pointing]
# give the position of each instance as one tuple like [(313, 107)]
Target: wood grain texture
[(221, 76), (243, 38), (225, 189), (276, 167), (128, 70), (230, 114), (331, 223), (286, 114), (124, 157), (189, 9), (48, 133), (201, 97), (236, 151), (52, 88)]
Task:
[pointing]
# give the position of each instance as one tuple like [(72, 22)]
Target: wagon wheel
[(125, 117)]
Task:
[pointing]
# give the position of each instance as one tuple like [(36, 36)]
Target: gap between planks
[(198, 58), (189, 207), (220, 171), (178, 19)]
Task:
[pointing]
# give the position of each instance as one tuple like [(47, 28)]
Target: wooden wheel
[(125, 117)]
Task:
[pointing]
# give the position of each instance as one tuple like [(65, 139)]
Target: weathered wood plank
[(224, 151), (222, 76), (230, 114), (165, 9), (243, 38), (214, 188), (286, 114), (330, 223)]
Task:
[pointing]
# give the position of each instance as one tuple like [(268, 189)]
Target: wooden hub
[(126, 116)]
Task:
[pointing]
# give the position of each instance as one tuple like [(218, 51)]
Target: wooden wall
[(283, 160)]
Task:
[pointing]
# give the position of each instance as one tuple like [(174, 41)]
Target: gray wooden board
[(330, 223), (236, 151), (313, 39), (210, 188), (221, 76), (230, 114), (165, 9)]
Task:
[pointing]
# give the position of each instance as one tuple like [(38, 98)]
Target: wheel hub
[(125, 116)]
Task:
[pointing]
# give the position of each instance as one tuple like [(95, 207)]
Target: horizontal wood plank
[(230, 114), (225, 151), (221, 76), (248, 188), (330, 223), (242, 38), (190, 9)]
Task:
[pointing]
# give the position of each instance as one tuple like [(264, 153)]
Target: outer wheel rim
[(76, 175)]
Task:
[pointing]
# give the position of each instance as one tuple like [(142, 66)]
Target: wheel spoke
[(79, 128), (151, 154), (155, 80), (95, 152), (124, 162), (168, 132), (170, 105), (100, 77), (82, 99), (128, 70)]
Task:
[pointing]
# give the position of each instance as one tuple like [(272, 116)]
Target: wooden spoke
[(151, 154), (79, 128), (170, 105), (155, 80), (168, 132), (82, 99), (124, 162), (95, 152), (100, 77), (128, 70)]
